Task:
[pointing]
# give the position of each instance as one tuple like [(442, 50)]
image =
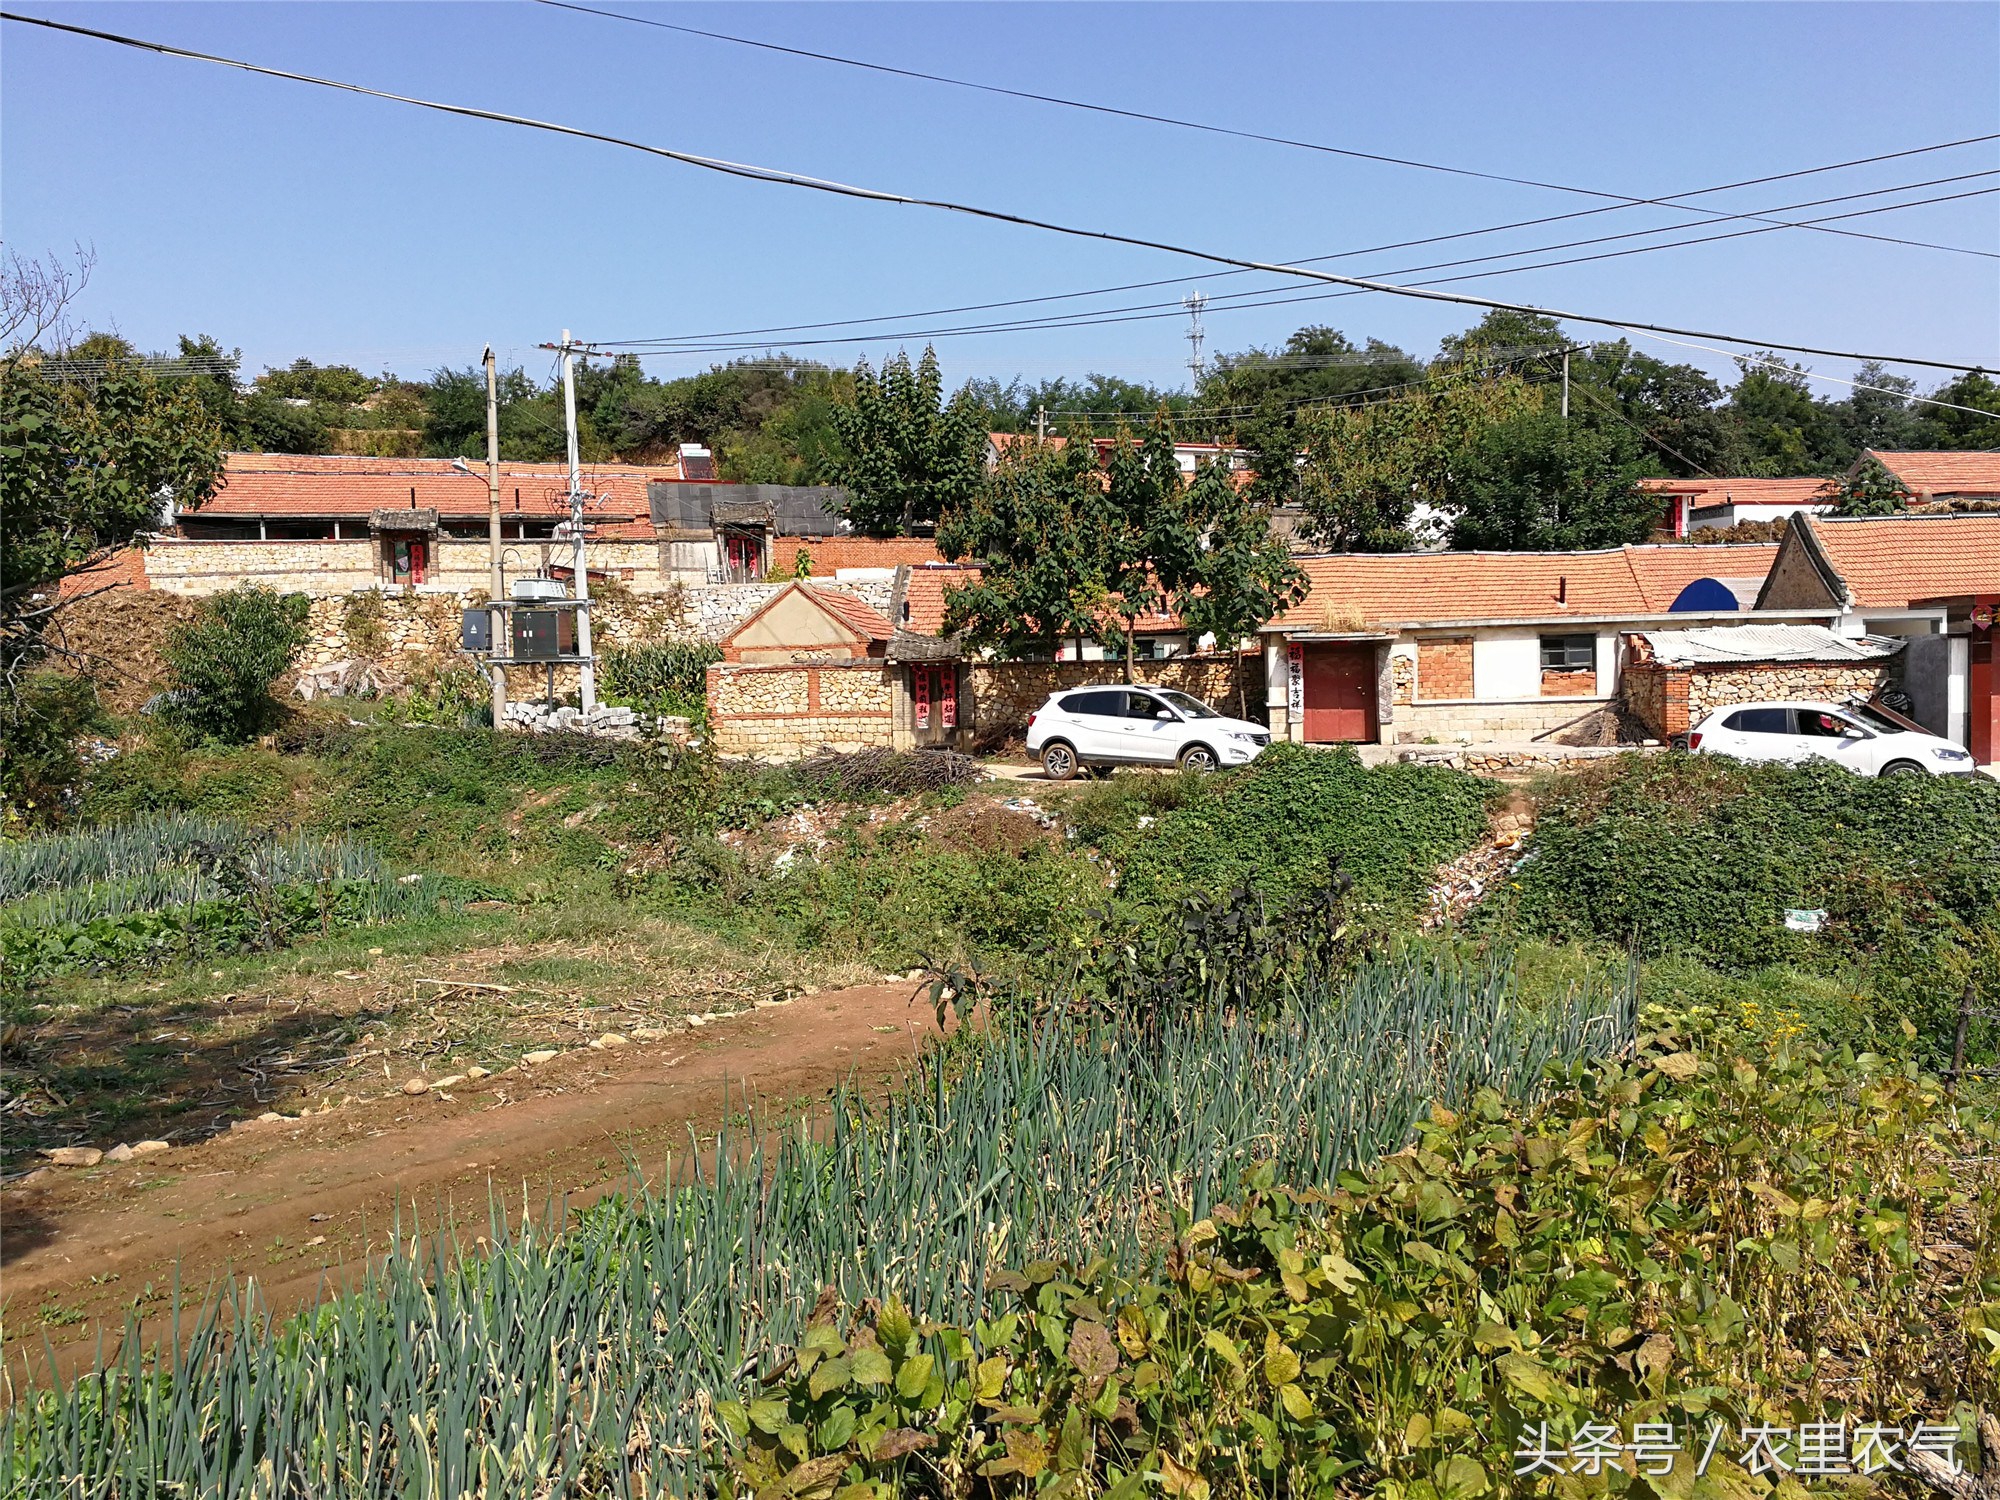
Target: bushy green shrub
[(1703, 856), (41, 723), (1274, 825), (223, 662)]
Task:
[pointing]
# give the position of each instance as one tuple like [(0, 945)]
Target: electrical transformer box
[(475, 630), (544, 634)]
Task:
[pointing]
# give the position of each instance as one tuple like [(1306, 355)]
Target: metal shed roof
[(1724, 644)]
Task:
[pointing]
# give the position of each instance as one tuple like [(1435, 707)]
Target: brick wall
[(1444, 668), (790, 711), (1569, 684), (1004, 693)]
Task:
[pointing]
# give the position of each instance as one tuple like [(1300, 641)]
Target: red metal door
[(1340, 693)]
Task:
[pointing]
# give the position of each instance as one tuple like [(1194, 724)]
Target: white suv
[(1137, 726), (1861, 739)]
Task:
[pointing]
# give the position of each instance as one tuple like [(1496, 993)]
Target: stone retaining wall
[(1522, 719)]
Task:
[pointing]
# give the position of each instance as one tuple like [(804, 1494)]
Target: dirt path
[(294, 1202)]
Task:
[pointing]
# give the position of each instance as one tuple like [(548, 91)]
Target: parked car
[(1860, 738), (1137, 726)]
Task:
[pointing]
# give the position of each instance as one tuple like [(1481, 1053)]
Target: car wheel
[(1059, 762), (1903, 768), (1197, 758)]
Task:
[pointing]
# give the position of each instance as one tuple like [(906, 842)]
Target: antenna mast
[(1194, 302)]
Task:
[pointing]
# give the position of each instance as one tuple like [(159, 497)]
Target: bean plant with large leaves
[(1719, 1229)]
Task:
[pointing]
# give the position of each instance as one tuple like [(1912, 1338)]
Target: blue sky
[(288, 220)]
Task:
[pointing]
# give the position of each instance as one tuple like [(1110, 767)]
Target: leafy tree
[(1501, 337), (1241, 574), (88, 465), (1271, 387), (1883, 417), (223, 662), (268, 424), (331, 385), (907, 456), (1870, 490), (1367, 469), (1063, 404), (1785, 430), (1536, 483), (1944, 427), (1027, 528)]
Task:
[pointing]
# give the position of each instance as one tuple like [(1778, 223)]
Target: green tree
[(1367, 469), (1976, 427), (1028, 529), (1785, 430), (329, 385), (223, 662), (1259, 396), (1241, 574), (907, 456), (1536, 483), (87, 465)]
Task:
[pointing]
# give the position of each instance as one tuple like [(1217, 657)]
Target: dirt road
[(299, 1203)]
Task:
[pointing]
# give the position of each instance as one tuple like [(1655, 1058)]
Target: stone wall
[(790, 711), (1670, 700), (326, 567), (1004, 693)]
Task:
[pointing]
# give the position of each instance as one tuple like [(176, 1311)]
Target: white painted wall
[(1506, 665), (1607, 663)]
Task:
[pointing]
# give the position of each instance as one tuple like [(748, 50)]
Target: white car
[(1137, 726), (1862, 739)]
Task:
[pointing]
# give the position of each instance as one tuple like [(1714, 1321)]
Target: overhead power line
[(1232, 301), (1617, 200), (1308, 260), (876, 195)]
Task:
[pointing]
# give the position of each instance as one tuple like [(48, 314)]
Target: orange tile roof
[(853, 611), (286, 484), (1711, 492), (1942, 471), (923, 596), (1413, 588), (1894, 560)]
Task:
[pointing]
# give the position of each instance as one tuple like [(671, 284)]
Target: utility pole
[(1566, 354), (1041, 426), (587, 673), (496, 585)]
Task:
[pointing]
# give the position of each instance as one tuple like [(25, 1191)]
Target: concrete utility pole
[(1566, 353), (496, 586), (587, 673), (1041, 426)]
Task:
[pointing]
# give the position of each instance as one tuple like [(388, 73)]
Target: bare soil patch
[(300, 1204)]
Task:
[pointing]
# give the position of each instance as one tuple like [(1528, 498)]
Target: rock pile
[(604, 721)]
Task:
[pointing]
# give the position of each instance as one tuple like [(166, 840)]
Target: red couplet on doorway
[(1340, 692)]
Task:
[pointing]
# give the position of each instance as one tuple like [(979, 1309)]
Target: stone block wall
[(183, 567), (1670, 701), (1444, 668), (793, 710), (1004, 693)]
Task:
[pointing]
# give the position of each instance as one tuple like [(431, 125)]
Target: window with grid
[(1569, 653)]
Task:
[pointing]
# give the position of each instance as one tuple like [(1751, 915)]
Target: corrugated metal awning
[(1724, 644)]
